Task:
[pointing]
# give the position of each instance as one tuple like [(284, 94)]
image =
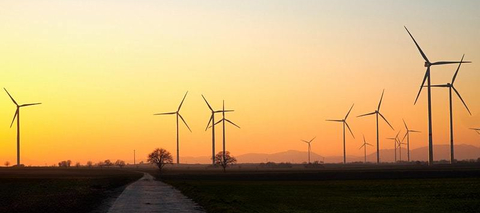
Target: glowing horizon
[(101, 69)]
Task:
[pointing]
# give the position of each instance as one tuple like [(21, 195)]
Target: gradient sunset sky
[(103, 68)]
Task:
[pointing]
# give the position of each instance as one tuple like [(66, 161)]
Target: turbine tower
[(428, 64), (396, 140), (223, 123), (400, 143), (377, 113), (451, 87), (344, 122), (17, 116), (212, 120), (364, 145), (178, 115), (309, 147), (407, 135)]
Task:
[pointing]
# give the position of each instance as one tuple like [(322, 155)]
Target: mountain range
[(441, 152)]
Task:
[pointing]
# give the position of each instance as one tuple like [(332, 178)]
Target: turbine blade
[(369, 144), (364, 139), (421, 86), (458, 68), (228, 110), (305, 141), (346, 124), (14, 116), (418, 47), (439, 85), (406, 127), (312, 139), (362, 146), (459, 96), (184, 122), (166, 113), (181, 103), (413, 131), (11, 97), (372, 113), (386, 121), (405, 136), (450, 62), (380, 103), (335, 120), (218, 122), (209, 121), (24, 105), (232, 123), (207, 102), (348, 113)]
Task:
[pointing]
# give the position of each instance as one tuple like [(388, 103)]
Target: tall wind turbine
[(407, 135), (223, 123), (428, 64), (377, 113), (212, 120), (178, 115), (364, 145), (17, 116), (309, 147), (344, 122), (400, 143), (451, 87), (395, 144)]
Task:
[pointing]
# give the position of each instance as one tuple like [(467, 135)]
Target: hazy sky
[(102, 68)]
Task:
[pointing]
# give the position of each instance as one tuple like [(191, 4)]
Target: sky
[(102, 69)]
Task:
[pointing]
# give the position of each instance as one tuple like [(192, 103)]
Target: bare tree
[(77, 164), (7, 163), (160, 157), (120, 163), (224, 162), (89, 164)]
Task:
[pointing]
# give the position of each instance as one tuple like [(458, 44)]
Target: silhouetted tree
[(160, 157), (77, 165), (108, 163), (66, 163), (7, 163), (120, 163), (101, 164), (224, 162), (89, 164)]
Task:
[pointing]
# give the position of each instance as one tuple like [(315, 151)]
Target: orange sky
[(102, 68)]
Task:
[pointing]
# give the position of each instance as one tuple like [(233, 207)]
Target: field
[(59, 190), (384, 189)]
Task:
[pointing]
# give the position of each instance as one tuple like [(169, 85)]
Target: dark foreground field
[(59, 190), (356, 190)]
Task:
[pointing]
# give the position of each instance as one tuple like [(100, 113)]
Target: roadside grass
[(59, 190)]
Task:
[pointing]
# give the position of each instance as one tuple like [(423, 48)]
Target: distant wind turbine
[(407, 135), (177, 114), (428, 64), (309, 147), (400, 143), (395, 144), (17, 116), (223, 123), (451, 87), (364, 145), (377, 113), (212, 120), (344, 122)]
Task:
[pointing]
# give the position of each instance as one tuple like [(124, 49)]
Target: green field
[(59, 190), (377, 191)]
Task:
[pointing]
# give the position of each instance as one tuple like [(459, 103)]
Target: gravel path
[(148, 195)]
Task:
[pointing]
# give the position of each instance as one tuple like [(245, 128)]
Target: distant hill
[(462, 152)]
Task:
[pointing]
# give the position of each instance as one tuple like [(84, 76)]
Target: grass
[(59, 190), (297, 192)]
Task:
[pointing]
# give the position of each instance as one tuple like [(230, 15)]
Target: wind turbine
[(395, 139), (309, 147), (408, 138), (212, 120), (364, 145), (451, 87), (400, 143), (223, 123), (344, 122), (377, 113), (178, 115), (17, 116), (428, 64)]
